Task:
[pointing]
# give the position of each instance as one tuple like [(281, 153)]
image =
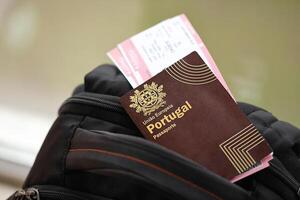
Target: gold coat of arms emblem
[(149, 99)]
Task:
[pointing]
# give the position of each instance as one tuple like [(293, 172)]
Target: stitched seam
[(149, 165)]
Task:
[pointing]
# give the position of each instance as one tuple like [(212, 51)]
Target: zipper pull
[(19, 195), (27, 194), (32, 194)]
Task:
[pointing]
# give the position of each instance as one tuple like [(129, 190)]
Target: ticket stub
[(152, 50)]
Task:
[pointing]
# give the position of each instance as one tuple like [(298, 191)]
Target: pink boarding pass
[(151, 51)]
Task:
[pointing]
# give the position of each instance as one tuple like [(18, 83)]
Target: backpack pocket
[(131, 161)]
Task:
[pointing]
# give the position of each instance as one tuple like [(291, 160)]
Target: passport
[(186, 109)]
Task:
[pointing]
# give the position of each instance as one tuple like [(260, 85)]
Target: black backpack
[(94, 152)]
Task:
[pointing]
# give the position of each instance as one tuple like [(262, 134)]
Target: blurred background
[(46, 48)]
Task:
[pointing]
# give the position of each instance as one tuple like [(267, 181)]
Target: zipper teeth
[(59, 195), (98, 102), (286, 177)]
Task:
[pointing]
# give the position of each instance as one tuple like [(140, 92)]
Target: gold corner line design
[(247, 151), (232, 158), (239, 146), (240, 152), (242, 136), (232, 161), (236, 157), (237, 133), (251, 146)]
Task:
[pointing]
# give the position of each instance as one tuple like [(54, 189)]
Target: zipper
[(286, 177), (43, 192), (26, 194), (96, 101)]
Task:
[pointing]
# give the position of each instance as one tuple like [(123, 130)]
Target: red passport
[(186, 109)]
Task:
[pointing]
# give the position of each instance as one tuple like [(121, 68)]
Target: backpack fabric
[(94, 151)]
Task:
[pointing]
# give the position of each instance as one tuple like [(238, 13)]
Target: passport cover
[(186, 109)]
